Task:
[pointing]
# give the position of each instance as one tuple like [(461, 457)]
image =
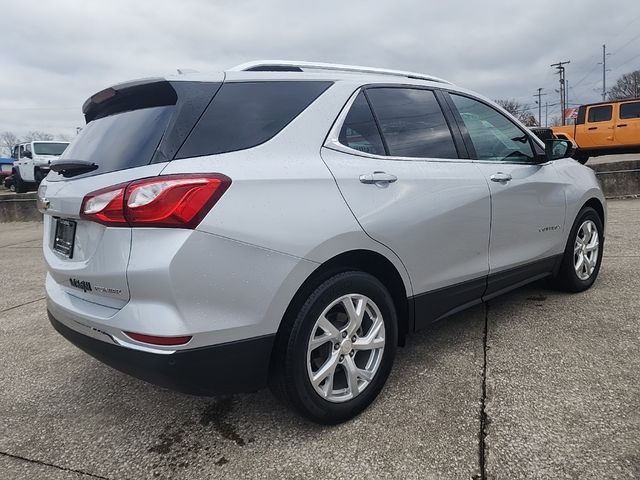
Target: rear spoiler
[(149, 92)]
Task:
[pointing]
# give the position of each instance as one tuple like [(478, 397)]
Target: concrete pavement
[(536, 384)]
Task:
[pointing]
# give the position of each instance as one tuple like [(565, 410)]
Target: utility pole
[(560, 67), (604, 72), (539, 102)]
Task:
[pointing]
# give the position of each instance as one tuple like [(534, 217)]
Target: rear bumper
[(234, 367)]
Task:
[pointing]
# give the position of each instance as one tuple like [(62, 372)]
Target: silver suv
[(289, 223)]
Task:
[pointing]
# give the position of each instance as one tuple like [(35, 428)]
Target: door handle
[(622, 125), (592, 128), (378, 178), (501, 177)]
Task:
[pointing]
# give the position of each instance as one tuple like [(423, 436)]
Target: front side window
[(493, 135), (600, 114), (630, 110), (359, 130), (412, 123)]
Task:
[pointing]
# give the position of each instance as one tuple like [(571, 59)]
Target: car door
[(598, 130), (400, 174), (627, 131), (527, 197), (27, 170), (20, 158)]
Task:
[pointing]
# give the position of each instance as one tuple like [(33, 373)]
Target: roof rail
[(293, 66)]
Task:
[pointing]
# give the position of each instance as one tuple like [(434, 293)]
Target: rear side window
[(412, 123), (243, 115), (630, 110), (359, 130), (600, 114)]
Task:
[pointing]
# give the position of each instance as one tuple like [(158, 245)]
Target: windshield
[(49, 148)]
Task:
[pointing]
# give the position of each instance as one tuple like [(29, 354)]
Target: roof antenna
[(184, 71)]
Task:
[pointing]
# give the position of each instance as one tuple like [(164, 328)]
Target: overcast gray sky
[(55, 54)]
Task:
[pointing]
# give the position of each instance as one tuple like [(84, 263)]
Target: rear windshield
[(49, 148), (123, 140), (243, 115)]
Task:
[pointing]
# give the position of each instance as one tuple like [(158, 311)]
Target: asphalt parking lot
[(536, 384)]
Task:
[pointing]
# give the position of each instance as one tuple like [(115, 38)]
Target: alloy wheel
[(345, 348), (586, 250)]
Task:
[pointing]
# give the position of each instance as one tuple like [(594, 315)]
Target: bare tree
[(627, 86), (64, 137), (555, 121), (8, 140), (37, 135), (518, 110)]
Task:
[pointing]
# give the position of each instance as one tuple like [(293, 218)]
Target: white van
[(32, 160)]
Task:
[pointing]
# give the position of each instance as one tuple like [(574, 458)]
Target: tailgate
[(91, 262)]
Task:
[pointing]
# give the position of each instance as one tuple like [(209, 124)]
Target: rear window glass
[(359, 130), (123, 140), (243, 115), (600, 114), (412, 123), (630, 110)]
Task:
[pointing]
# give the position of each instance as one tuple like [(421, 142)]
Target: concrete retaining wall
[(618, 179), (19, 207)]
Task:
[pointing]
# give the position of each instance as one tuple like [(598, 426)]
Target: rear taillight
[(177, 201)]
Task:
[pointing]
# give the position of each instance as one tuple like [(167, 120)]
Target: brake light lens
[(156, 340), (174, 201)]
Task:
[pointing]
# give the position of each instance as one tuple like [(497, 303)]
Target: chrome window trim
[(332, 142)]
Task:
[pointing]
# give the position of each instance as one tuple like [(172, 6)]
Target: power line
[(621, 30), (623, 46)]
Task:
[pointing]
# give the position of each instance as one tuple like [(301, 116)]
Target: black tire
[(20, 185), (38, 175), (567, 279), (581, 157), (289, 379)]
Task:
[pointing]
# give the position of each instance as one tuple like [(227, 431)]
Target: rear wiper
[(71, 168)]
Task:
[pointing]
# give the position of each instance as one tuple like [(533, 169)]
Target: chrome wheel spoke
[(331, 333), (328, 369), (355, 312), (372, 340), (593, 245), (353, 373)]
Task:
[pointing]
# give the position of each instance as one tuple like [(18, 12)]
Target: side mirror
[(27, 154), (555, 148)]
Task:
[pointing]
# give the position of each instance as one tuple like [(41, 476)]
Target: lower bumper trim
[(234, 367)]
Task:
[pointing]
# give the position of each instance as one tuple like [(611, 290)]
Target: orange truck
[(604, 128)]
